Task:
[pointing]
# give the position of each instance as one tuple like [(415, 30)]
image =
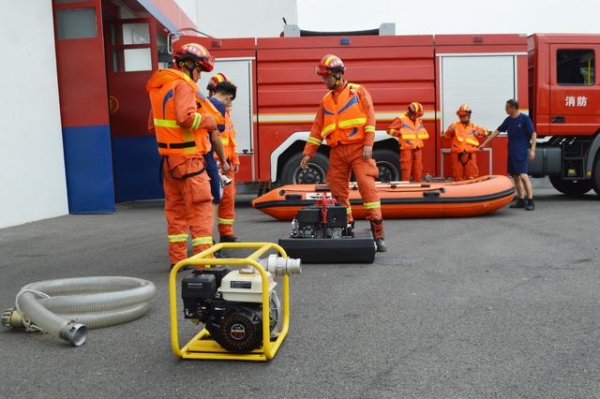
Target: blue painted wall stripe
[(88, 164), (136, 162)]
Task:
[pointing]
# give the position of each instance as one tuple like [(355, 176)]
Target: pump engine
[(321, 234), (315, 222), (229, 303)]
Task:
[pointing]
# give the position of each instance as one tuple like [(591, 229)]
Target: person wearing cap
[(346, 120), (465, 144), (181, 118), (411, 133)]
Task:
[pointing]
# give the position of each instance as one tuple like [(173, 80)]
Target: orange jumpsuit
[(464, 149), (346, 120), (410, 136), (182, 138), (226, 211)]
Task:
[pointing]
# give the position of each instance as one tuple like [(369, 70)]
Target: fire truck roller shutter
[(315, 173)]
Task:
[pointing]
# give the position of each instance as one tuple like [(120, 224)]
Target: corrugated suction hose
[(66, 308)]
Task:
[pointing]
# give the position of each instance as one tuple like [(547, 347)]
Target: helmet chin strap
[(189, 69), (338, 80)]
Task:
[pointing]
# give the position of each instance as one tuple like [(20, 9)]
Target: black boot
[(230, 238), (519, 204), (381, 245), (377, 229)]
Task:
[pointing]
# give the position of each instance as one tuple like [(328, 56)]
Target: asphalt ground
[(498, 306)]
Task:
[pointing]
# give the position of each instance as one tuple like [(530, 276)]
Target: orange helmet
[(330, 64), (416, 109), (463, 110), (216, 79), (197, 53)]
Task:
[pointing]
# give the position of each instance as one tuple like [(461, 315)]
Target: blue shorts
[(518, 163), (213, 172)]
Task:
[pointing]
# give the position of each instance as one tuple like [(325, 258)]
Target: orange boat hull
[(402, 200)]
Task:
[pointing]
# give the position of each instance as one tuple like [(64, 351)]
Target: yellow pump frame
[(201, 346)]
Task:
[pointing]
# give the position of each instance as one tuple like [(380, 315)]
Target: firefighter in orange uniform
[(346, 120), (182, 135), (410, 131), (464, 145), (226, 210)]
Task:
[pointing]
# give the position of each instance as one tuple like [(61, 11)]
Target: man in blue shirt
[(521, 149)]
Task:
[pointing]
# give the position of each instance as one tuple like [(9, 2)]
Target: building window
[(136, 33), (76, 23), (575, 67), (132, 60), (131, 47)]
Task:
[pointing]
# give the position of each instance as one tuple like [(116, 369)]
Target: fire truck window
[(575, 67), (76, 23)]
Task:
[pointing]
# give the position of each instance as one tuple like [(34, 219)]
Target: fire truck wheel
[(388, 164), (573, 188), (316, 172), (596, 175)]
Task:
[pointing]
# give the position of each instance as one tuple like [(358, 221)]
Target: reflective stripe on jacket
[(464, 136), (173, 137), (410, 134), (228, 140), (344, 120)]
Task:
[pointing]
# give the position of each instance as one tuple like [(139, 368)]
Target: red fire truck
[(551, 75)]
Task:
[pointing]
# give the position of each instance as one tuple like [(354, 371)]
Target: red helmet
[(416, 109), (463, 110), (330, 64), (197, 53), (216, 79)]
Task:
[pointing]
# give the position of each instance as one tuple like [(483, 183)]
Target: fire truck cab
[(565, 104)]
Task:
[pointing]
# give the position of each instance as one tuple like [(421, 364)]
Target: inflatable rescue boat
[(402, 200)]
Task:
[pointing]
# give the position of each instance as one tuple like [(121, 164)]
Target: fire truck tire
[(573, 188), (316, 172), (596, 175), (388, 164)]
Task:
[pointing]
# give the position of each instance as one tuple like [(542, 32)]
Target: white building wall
[(190, 7), (452, 17), (32, 172), (244, 18)]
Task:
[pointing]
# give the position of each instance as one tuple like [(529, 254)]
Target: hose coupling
[(75, 333), (281, 266), (12, 318)]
